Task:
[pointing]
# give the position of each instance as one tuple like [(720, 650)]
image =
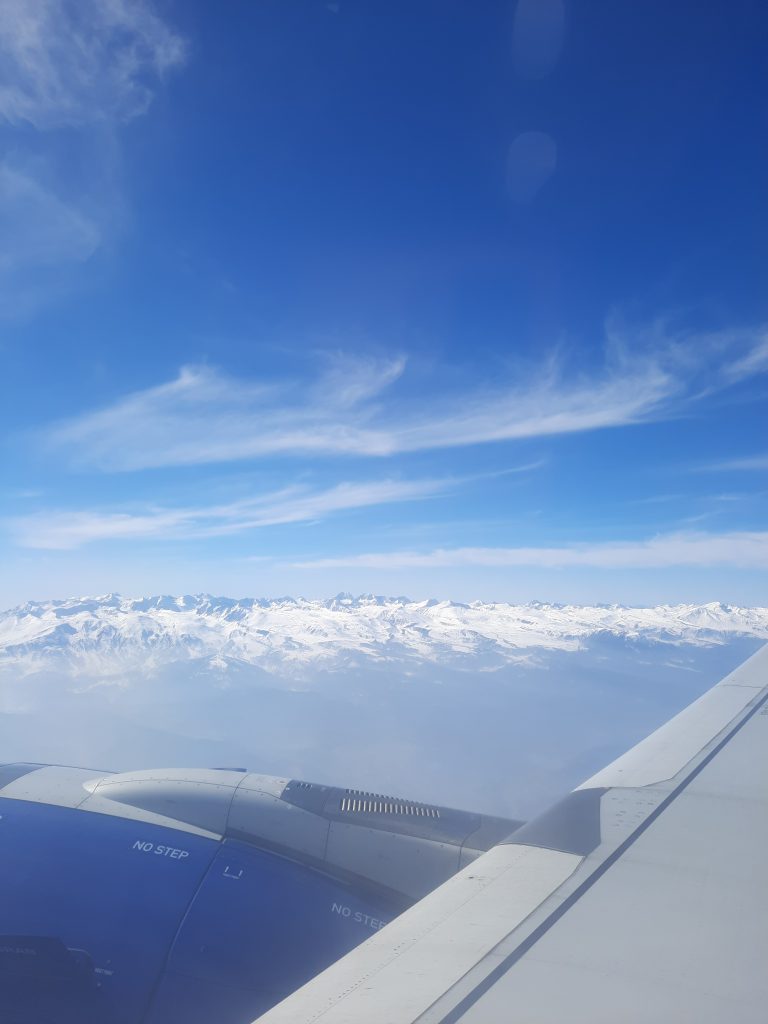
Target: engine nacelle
[(200, 895)]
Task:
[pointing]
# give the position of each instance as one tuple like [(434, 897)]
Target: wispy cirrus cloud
[(354, 408), (206, 417), (62, 530), (71, 71), (45, 239), (743, 550), (753, 361), (75, 62), (37, 229), (709, 360), (203, 416)]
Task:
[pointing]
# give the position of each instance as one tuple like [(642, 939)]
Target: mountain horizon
[(427, 698), (294, 635)]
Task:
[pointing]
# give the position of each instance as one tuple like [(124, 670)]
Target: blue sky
[(439, 299)]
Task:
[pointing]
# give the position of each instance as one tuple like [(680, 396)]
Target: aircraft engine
[(200, 895)]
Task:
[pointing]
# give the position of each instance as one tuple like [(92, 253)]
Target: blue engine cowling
[(112, 918)]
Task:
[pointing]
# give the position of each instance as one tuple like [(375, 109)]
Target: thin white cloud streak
[(65, 530), (347, 382), (39, 230), (742, 550), (76, 62), (749, 463), (203, 416), (754, 361)]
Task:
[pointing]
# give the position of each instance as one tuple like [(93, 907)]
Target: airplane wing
[(641, 897)]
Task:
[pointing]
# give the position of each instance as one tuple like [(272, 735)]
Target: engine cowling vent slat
[(358, 801)]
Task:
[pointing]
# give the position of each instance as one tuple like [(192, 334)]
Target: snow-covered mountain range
[(497, 707), (295, 638)]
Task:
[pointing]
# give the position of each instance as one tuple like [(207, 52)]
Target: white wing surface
[(641, 897)]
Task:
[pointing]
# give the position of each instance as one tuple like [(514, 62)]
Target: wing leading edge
[(641, 897)]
